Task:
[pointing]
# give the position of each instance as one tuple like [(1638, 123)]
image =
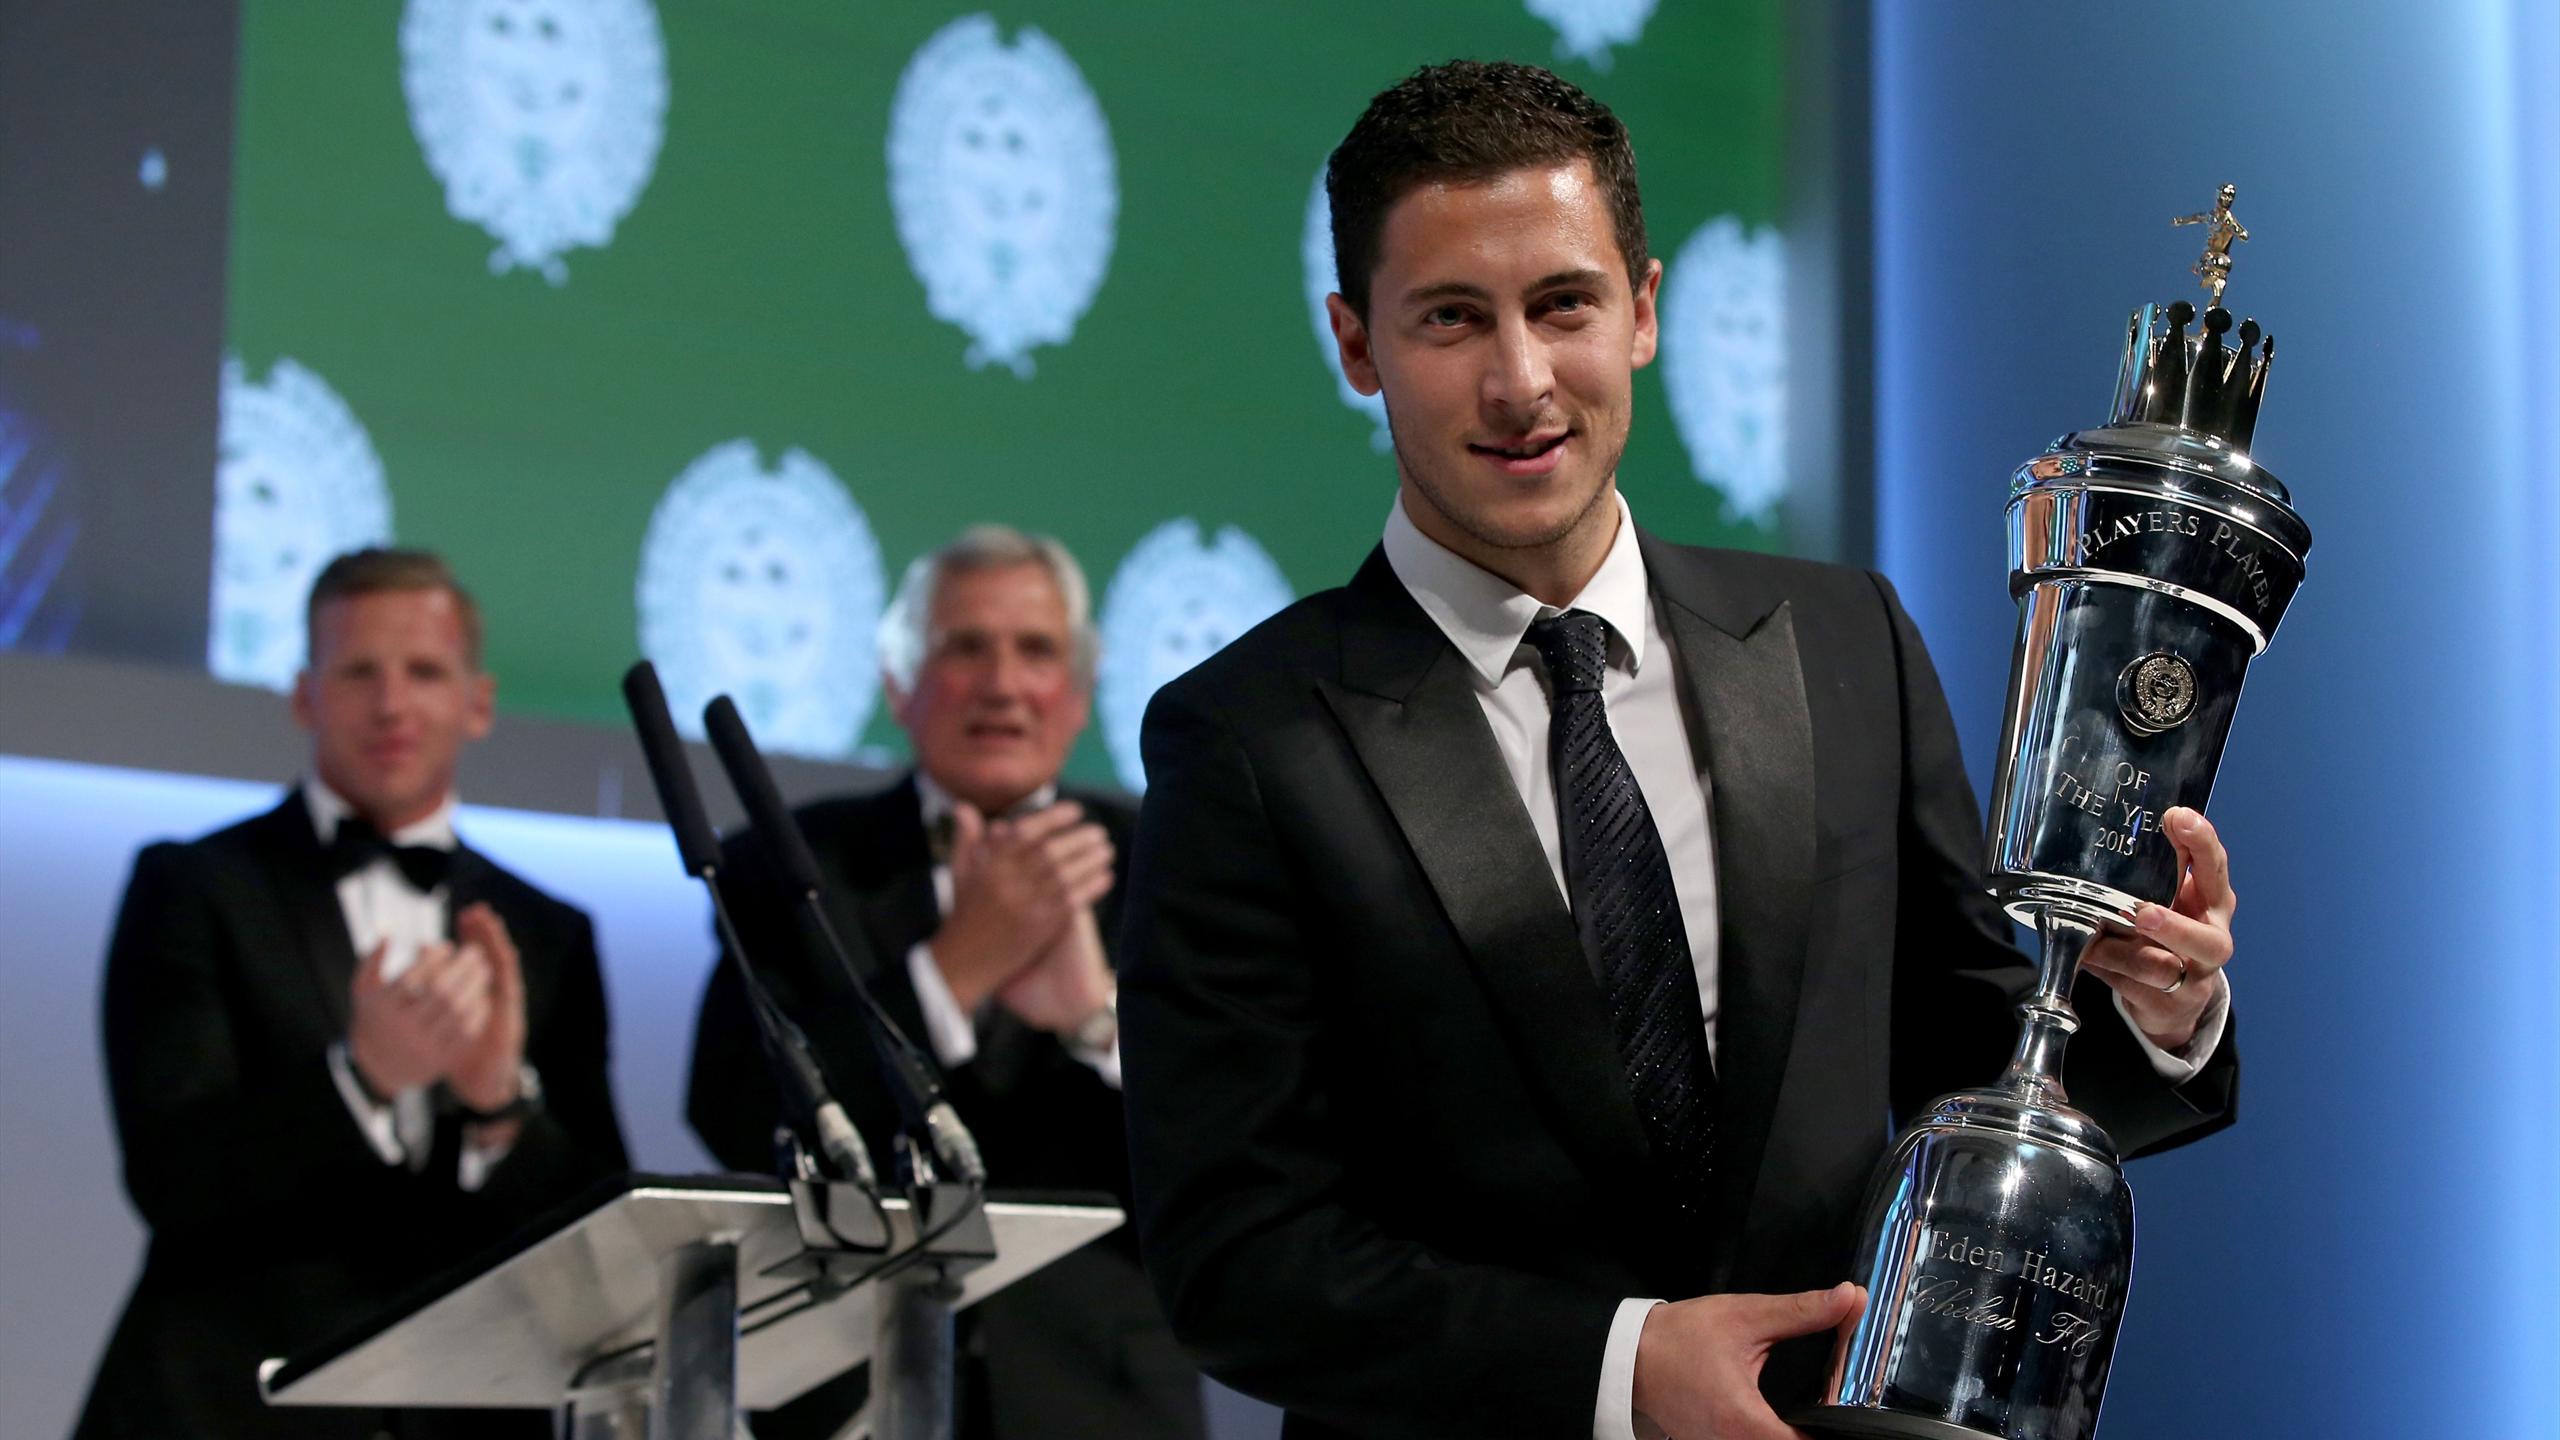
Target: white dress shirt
[(383, 908), (1487, 618), (949, 1029)]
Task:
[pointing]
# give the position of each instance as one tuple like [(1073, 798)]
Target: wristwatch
[(1098, 1031), (528, 1099)]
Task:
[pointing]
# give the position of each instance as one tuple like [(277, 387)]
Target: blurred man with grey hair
[(982, 898)]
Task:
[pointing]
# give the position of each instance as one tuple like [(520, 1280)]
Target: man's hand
[(1014, 887), (485, 1072), (1066, 984), (2170, 970), (407, 1032), (1698, 1362)]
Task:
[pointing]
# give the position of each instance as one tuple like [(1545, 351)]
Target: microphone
[(786, 1046), (929, 1119)]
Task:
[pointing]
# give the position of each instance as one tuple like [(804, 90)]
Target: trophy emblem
[(2151, 559)]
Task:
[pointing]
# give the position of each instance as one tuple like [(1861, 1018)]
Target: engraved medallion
[(2156, 692)]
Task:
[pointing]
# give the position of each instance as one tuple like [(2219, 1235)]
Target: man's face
[(997, 703), (390, 696), (1505, 334)]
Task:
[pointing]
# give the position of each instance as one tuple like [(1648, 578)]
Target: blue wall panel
[(2369, 1252)]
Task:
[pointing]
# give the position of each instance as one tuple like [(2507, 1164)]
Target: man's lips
[(1534, 454)]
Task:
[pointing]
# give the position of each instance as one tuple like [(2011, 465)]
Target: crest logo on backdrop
[(1172, 604), (1315, 253), (1005, 187), (295, 484), (541, 118), (764, 585), (1724, 361), (1585, 29)]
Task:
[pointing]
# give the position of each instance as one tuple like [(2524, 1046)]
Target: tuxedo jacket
[(1079, 1348), (1389, 1175), (274, 1224)]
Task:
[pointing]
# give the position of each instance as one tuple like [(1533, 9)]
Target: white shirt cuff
[(472, 1171), (2180, 1066), (380, 1130), (1104, 1062), (946, 1025), (1613, 1417)]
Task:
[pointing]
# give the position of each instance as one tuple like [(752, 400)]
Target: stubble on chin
[(1437, 497)]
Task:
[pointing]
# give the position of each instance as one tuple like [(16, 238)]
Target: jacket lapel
[(1412, 717), (308, 894), (1744, 685), (894, 912)]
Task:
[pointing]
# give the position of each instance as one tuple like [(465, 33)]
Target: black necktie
[(1628, 912), (358, 844)]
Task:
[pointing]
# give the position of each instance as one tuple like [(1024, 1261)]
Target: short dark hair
[(1465, 121), (378, 568)]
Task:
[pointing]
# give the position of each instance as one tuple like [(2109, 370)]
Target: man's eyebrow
[(1585, 277), (1446, 290)]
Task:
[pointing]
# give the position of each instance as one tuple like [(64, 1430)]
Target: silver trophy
[(2151, 559)]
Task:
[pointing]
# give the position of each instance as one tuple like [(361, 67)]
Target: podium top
[(519, 1326)]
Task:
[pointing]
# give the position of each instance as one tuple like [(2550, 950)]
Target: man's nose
[(1003, 675), (1518, 378)]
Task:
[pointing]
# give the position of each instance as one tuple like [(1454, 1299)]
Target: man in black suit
[(346, 1050), (1553, 918), (980, 897)]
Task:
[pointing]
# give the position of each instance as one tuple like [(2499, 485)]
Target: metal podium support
[(661, 1307)]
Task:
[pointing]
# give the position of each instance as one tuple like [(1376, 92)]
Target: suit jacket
[(1077, 1349), (1389, 1176), (273, 1223)]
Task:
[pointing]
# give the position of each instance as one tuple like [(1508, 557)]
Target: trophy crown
[(2193, 382)]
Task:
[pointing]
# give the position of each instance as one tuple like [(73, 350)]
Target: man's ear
[(301, 695), (1648, 336), (484, 705), (1351, 337)]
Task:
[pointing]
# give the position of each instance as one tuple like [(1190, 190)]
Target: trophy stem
[(2046, 1020)]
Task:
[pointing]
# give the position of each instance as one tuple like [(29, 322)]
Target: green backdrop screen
[(407, 276)]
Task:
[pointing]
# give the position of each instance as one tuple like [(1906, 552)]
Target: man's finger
[(1039, 825), (480, 925), (2147, 969), (2200, 941), (463, 980), (1075, 868), (1076, 842), (369, 970), (1090, 891), (1783, 1317), (483, 926), (2200, 845), (1848, 1330)]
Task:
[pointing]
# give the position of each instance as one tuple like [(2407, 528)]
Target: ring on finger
[(2174, 986)]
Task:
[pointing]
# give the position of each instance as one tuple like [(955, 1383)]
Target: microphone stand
[(830, 1222), (914, 1353)]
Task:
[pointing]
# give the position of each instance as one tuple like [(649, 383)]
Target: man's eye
[(1569, 303), (1445, 316)]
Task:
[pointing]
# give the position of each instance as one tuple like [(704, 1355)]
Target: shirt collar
[(327, 808), (936, 802), (1486, 616)]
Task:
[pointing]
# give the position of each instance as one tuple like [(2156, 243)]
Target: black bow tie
[(358, 844)]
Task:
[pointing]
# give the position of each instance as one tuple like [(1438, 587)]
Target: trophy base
[(1856, 1422)]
